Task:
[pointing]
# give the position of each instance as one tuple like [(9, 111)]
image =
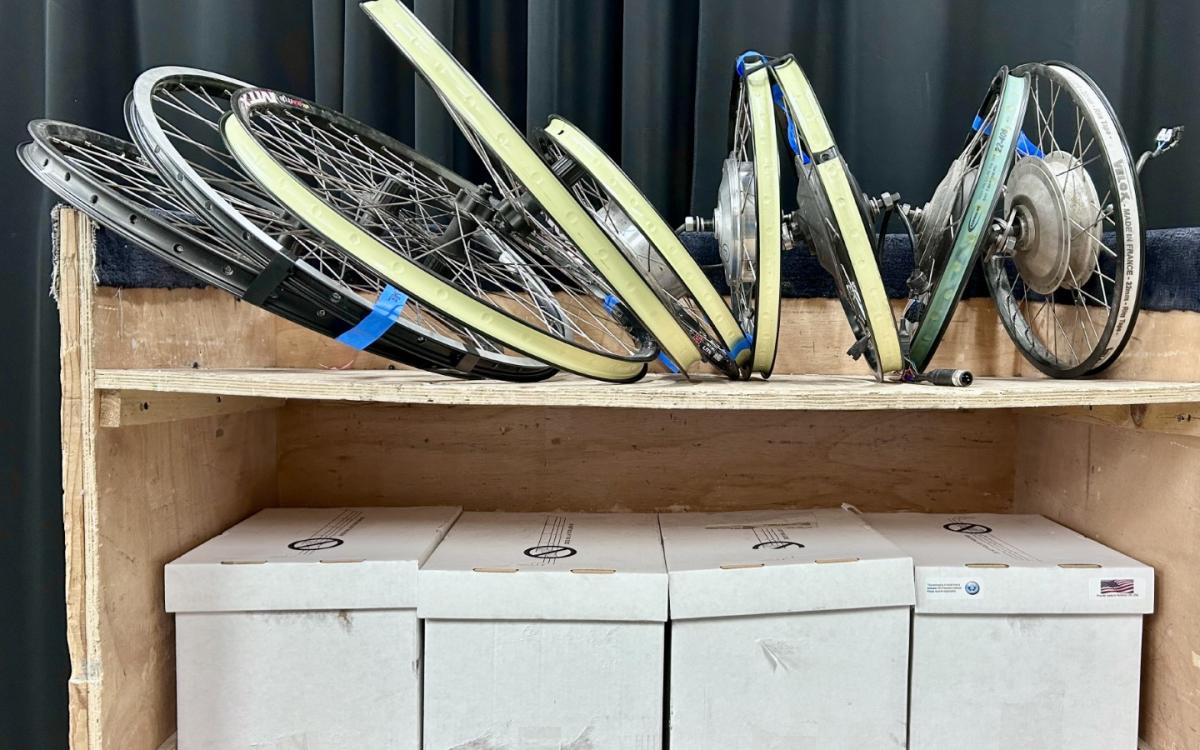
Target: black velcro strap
[(265, 284)]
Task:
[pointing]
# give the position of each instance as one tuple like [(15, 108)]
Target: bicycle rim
[(861, 286), (989, 153), (336, 176), (1069, 292)]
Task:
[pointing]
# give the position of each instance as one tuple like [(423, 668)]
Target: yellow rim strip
[(802, 101), (410, 277), (649, 223), (491, 125), (766, 177)]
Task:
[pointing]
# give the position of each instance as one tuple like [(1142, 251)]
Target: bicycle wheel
[(649, 243), (833, 218), (747, 221), (433, 239), (1067, 274), (957, 224), (543, 217), (174, 114), (107, 178)]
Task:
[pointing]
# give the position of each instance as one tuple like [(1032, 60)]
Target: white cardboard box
[(545, 631), (297, 628), (789, 630), (1026, 634)]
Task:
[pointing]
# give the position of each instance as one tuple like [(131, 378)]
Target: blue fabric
[(385, 312), (1172, 268)]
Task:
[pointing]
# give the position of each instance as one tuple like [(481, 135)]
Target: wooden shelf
[(781, 393)]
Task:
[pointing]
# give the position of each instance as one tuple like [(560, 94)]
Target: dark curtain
[(648, 79)]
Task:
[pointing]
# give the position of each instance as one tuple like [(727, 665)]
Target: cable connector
[(945, 376), (1165, 140)]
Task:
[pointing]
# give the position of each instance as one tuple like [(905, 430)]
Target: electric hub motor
[(1046, 194), (736, 228), (1065, 264)]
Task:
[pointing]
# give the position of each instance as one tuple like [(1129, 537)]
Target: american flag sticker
[(1116, 588)]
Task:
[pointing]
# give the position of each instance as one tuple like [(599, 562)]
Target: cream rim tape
[(810, 119), (766, 176)]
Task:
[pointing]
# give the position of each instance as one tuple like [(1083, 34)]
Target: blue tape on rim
[(740, 346), (385, 312), (741, 61), (667, 362), (1025, 147), (793, 139), (610, 303)]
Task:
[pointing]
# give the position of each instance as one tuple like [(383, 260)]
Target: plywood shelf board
[(784, 392)]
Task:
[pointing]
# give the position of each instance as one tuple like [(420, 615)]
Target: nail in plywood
[(129, 408), (488, 458), (1138, 492)]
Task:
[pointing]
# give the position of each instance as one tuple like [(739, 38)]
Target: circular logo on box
[(312, 544), (778, 544), (971, 587), (961, 527), (550, 552)]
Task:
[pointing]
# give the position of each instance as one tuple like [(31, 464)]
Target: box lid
[(765, 562), (1014, 564), (309, 559), (547, 566)]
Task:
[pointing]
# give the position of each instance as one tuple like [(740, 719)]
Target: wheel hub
[(1042, 250), (637, 248), (735, 223), (952, 195), (1085, 222)]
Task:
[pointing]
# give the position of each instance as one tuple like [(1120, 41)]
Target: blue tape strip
[(1025, 147), (610, 303), (740, 346), (742, 58), (793, 139), (385, 312), (668, 363)]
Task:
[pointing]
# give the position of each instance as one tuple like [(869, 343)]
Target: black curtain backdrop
[(648, 79)]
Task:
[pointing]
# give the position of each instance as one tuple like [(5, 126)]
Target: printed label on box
[(554, 541), (953, 588), (332, 534), (987, 538), (1118, 588)]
